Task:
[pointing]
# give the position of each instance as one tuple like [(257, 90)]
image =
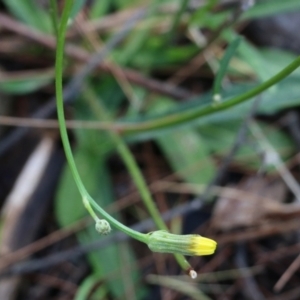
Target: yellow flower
[(201, 245), (190, 244)]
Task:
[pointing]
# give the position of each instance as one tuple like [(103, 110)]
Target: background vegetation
[(165, 78)]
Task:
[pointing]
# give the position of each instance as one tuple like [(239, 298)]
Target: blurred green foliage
[(159, 46)]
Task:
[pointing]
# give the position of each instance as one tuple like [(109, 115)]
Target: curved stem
[(126, 128), (63, 131), (188, 115), (100, 110)]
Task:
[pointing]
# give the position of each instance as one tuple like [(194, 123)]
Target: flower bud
[(103, 227), (190, 244)]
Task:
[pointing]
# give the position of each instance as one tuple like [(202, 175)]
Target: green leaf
[(158, 57), (26, 83), (220, 138), (99, 9), (138, 38), (185, 150), (78, 4), (230, 51), (109, 92), (208, 20), (87, 286), (30, 13), (111, 264), (271, 7), (122, 4), (203, 16), (252, 56), (68, 205), (277, 59)]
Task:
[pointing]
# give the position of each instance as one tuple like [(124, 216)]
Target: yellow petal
[(202, 246)]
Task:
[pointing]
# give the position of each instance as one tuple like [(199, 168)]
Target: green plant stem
[(139, 181), (194, 113), (63, 131), (136, 174), (89, 208), (126, 128)]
